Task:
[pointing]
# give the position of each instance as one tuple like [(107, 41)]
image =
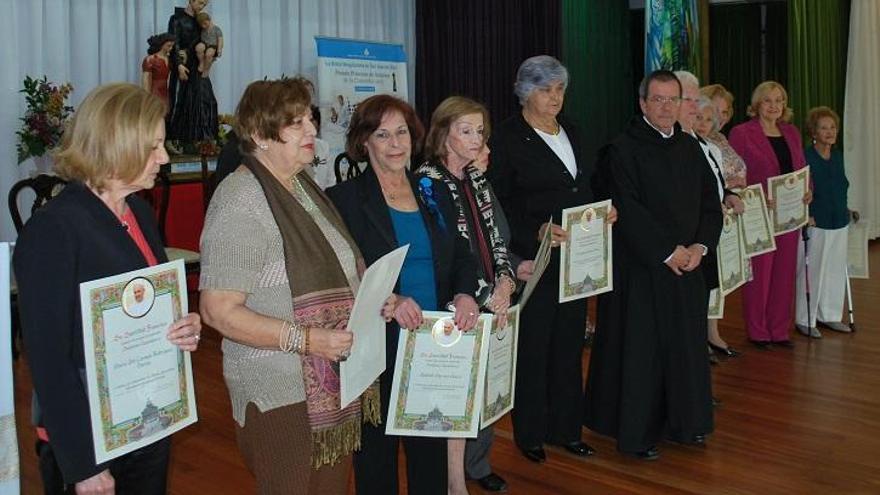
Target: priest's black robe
[(649, 371)]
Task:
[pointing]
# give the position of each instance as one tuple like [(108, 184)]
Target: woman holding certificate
[(538, 169), (384, 208), (458, 134), (770, 146), (827, 241), (733, 171), (279, 274), (94, 228)]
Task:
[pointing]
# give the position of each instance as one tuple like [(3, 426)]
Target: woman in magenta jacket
[(770, 146)]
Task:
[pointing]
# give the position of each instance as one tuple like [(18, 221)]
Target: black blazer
[(74, 238), (531, 182), (363, 208)]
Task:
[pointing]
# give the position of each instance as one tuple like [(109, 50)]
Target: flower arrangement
[(45, 117)]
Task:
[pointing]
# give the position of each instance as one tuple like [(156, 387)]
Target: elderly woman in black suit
[(95, 228), (538, 169), (384, 208)]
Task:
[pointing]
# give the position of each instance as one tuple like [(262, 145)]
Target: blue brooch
[(426, 190)]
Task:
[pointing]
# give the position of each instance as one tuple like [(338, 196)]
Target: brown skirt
[(277, 448)]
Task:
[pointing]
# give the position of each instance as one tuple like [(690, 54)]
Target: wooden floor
[(796, 421)]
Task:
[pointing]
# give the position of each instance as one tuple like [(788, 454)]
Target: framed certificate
[(439, 379), (716, 305), (140, 384), (542, 259), (857, 250), (585, 259), (788, 190), (757, 233), (731, 255), (501, 370)]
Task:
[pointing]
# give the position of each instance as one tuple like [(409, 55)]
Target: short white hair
[(687, 78)]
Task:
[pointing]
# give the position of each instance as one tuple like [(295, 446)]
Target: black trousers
[(142, 472), (549, 378), (375, 465)]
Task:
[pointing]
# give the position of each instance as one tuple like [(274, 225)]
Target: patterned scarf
[(322, 298), (476, 223)]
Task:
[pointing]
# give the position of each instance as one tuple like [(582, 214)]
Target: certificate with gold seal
[(140, 385), (757, 233), (501, 369), (788, 190), (731, 258), (439, 379), (585, 258)]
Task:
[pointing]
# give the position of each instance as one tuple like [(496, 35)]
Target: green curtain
[(596, 51), (819, 32), (735, 50)]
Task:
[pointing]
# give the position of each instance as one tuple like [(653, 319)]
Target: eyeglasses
[(662, 100)]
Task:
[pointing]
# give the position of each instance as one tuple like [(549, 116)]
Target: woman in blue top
[(384, 208), (829, 217)]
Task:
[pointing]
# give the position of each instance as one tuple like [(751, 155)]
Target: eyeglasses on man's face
[(662, 100)]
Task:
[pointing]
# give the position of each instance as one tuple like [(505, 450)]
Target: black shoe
[(579, 448), (713, 359), (716, 402), (649, 454), (534, 454), (694, 441), (785, 343), (493, 483), (761, 344), (727, 352)]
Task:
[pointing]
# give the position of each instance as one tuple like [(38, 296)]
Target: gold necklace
[(391, 197), (542, 128)]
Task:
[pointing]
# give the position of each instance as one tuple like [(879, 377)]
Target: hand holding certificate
[(755, 223), (501, 369), (585, 261), (542, 259), (367, 359), (439, 379), (789, 190), (139, 379)]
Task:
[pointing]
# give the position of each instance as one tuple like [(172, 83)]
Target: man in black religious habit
[(649, 370)]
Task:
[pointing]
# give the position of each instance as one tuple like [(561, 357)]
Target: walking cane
[(805, 234), (852, 322)]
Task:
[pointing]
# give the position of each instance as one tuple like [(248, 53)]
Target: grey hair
[(704, 102), (687, 78), (538, 72)]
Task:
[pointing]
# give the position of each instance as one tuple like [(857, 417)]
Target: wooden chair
[(353, 170), (207, 181), (191, 259), (44, 186)]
